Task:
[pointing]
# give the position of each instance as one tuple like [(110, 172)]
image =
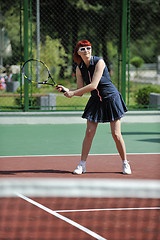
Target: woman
[(104, 105)]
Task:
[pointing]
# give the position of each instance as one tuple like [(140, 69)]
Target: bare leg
[(87, 142), (117, 136)]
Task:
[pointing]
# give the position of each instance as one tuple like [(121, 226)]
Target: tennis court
[(40, 146), (40, 198)]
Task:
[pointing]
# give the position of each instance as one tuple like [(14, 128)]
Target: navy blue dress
[(106, 103)]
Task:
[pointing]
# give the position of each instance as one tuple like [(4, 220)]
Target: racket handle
[(62, 90)]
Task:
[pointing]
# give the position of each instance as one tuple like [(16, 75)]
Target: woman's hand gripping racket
[(36, 71)]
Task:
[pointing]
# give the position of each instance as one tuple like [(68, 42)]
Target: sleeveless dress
[(106, 103)]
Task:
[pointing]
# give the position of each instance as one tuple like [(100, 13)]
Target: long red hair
[(77, 59)]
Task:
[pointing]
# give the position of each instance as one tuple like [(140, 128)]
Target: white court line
[(54, 213), (72, 155), (108, 209)]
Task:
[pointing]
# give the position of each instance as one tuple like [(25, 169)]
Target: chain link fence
[(54, 28), (144, 53), (11, 53)]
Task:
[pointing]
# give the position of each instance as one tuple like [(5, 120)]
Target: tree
[(11, 24), (145, 31)]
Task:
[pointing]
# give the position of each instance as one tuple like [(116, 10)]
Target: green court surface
[(65, 139)]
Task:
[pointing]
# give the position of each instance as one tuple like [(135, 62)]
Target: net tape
[(49, 187)]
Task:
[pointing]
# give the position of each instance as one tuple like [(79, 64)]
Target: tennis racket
[(36, 71)]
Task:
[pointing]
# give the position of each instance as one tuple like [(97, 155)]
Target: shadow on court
[(51, 171), (34, 171), (144, 166), (140, 133)]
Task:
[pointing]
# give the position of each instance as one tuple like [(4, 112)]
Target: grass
[(6, 101), (75, 101)]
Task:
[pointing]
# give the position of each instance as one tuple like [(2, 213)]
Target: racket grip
[(62, 89)]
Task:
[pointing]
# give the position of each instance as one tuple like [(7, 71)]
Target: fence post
[(124, 46), (26, 54)]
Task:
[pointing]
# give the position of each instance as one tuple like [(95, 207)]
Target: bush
[(137, 62), (142, 95), (33, 101)]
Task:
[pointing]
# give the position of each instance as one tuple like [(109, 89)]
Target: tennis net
[(58, 209)]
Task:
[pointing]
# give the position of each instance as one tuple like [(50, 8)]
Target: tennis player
[(105, 104)]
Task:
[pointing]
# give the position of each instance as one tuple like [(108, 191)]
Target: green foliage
[(142, 95), (147, 48), (32, 100), (53, 54), (112, 50), (11, 23), (145, 31), (81, 4), (137, 61)]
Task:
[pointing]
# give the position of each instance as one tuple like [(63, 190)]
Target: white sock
[(124, 161), (83, 163)]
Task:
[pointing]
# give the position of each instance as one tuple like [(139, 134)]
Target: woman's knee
[(91, 129), (90, 132), (116, 130), (116, 135)]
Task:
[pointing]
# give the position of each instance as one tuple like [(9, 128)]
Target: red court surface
[(79, 218), (144, 166), (29, 222)]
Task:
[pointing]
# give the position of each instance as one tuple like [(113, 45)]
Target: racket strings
[(36, 72)]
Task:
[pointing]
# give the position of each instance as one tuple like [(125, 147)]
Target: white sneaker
[(80, 169), (126, 168)]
